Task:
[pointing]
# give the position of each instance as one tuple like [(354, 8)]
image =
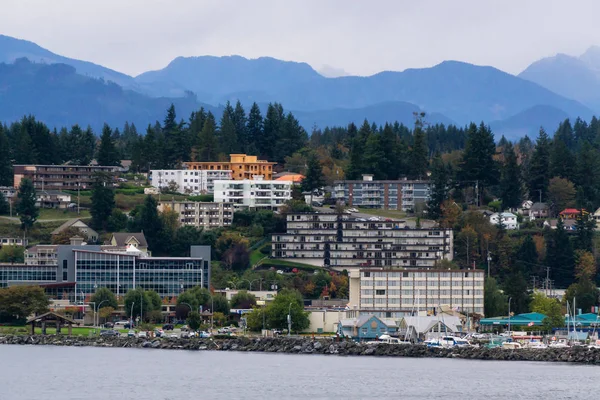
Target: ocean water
[(87, 373)]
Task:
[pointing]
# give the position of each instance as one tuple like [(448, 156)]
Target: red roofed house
[(571, 213)]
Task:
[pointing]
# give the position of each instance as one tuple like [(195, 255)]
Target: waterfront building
[(60, 177), (342, 242), (242, 166), (188, 181), (79, 270), (200, 214), (403, 195), (257, 193), (366, 327), (396, 293)]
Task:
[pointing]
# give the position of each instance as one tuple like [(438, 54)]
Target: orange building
[(241, 166)]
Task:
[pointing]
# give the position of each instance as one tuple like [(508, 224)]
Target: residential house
[(13, 241), (366, 327), (569, 224), (571, 213), (242, 167), (539, 210), (509, 220), (124, 240), (52, 199), (90, 234)]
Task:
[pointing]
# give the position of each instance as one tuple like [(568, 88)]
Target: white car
[(354, 210), (374, 219), (142, 335), (173, 336)]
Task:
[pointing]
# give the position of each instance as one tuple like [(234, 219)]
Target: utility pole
[(547, 281), (533, 278)]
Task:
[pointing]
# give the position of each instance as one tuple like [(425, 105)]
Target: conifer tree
[(239, 121), (373, 155), (478, 164), (26, 208), (439, 189), (107, 152), (207, 142), (510, 182), (313, 179), (560, 256), (254, 129), (357, 164), (103, 200), (272, 130), (6, 176), (539, 170), (418, 153), (227, 136)]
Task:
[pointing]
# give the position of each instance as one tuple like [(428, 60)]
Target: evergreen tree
[(357, 164), (103, 200), (539, 170), (207, 142), (587, 177), (526, 258), (313, 178), (26, 208), (272, 131), (254, 129), (23, 150), (228, 140), (478, 164), (510, 182), (373, 155), (560, 256), (151, 224), (239, 121), (418, 153), (585, 229), (175, 147), (389, 162), (6, 175), (439, 189), (515, 287), (107, 152)]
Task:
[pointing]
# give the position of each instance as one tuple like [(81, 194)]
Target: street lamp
[(509, 300), (289, 318), (98, 309), (212, 312), (131, 315)]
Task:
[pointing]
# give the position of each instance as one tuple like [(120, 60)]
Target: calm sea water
[(86, 373)]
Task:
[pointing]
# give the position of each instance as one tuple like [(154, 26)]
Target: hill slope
[(528, 122)]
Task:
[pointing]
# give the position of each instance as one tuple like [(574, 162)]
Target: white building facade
[(188, 181), (509, 220), (200, 214), (253, 194)]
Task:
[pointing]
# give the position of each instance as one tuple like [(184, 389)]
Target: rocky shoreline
[(581, 355)]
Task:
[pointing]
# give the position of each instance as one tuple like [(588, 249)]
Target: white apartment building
[(395, 293), (188, 181), (253, 194), (339, 242), (200, 214)]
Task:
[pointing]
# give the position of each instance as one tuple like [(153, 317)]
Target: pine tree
[(4, 206), (103, 200), (176, 147), (539, 170), (587, 177), (313, 178), (151, 224), (439, 189), (254, 129), (23, 149), (390, 161), (357, 150), (6, 175), (207, 142), (227, 135), (586, 229), (272, 131), (107, 152), (510, 182), (373, 155), (239, 121), (560, 256), (418, 153), (26, 208), (562, 161)]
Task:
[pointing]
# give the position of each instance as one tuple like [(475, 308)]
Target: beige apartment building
[(242, 166), (200, 214)]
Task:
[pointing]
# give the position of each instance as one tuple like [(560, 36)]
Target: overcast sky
[(359, 36)]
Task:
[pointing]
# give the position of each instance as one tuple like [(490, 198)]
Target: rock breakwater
[(582, 355)]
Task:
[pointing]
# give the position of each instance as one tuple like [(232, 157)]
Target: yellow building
[(241, 166)]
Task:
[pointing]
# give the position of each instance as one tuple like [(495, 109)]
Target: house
[(53, 199), (124, 240), (527, 204), (569, 224), (424, 327), (539, 210), (13, 241), (571, 213), (90, 234), (365, 327), (509, 220)]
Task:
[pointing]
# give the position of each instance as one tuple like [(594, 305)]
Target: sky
[(357, 37)]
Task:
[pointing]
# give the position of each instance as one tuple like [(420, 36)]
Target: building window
[(380, 292), (367, 275)]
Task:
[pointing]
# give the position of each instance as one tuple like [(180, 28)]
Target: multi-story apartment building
[(401, 195), (188, 181), (59, 177), (80, 270), (344, 242), (41, 254), (200, 214), (242, 166), (395, 293), (254, 194)]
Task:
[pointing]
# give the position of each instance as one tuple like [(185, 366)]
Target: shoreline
[(579, 355)]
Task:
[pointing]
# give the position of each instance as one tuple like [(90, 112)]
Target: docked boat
[(559, 344), (536, 345)]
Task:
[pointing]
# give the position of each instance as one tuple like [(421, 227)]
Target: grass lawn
[(256, 255), (383, 213), (290, 264), (52, 213)]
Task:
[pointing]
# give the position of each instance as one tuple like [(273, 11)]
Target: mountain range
[(62, 91)]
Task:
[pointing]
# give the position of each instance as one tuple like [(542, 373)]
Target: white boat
[(536, 344), (387, 339), (447, 342), (559, 344), (511, 345)]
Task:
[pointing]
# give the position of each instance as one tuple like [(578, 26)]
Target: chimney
[(76, 241)]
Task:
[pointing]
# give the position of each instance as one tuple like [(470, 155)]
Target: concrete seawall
[(582, 355)]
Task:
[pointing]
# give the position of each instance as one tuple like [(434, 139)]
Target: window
[(367, 275), (380, 292)]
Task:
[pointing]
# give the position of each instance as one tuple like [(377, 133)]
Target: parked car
[(354, 210), (120, 324), (184, 328), (225, 330), (109, 333), (173, 336), (185, 335), (168, 327), (374, 219), (204, 334), (142, 334), (277, 332), (109, 325), (159, 333), (317, 204), (131, 333)]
